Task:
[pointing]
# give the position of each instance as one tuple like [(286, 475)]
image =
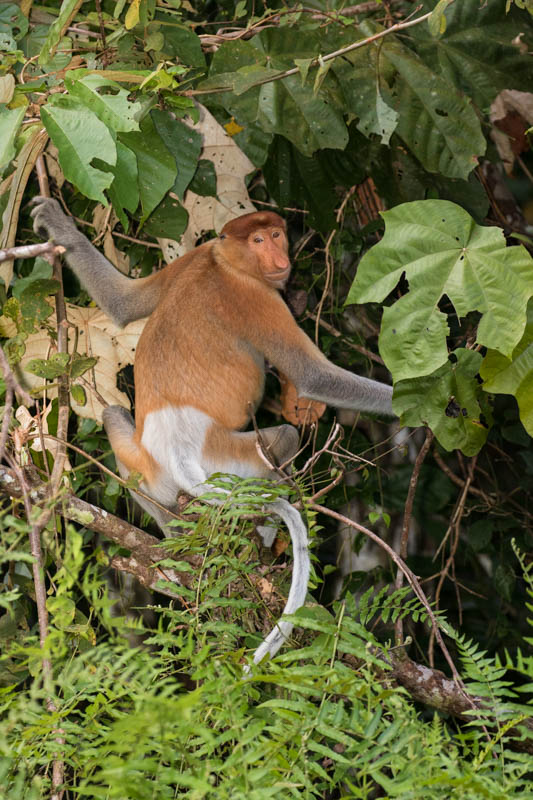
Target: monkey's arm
[(122, 298), (289, 349)]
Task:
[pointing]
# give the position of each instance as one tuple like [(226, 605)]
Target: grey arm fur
[(122, 298), (337, 387)]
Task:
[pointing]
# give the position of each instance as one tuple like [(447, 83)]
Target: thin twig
[(145, 550), (62, 344), (422, 453), (58, 767), (345, 340), (36, 528), (455, 527), (329, 261)]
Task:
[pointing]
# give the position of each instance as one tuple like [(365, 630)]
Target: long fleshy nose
[(280, 259)]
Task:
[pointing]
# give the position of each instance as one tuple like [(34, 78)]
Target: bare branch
[(31, 251)]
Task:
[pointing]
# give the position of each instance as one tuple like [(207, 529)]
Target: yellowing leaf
[(132, 14)]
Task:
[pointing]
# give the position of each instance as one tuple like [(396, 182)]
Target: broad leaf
[(181, 42), (438, 123), (13, 23), (34, 307), (294, 180), (49, 368), (168, 220), (441, 251), (80, 137), (364, 80), (286, 107), (514, 375), (478, 53), (96, 337), (42, 270), (448, 402), (156, 166), (108, 100), (204, 181)]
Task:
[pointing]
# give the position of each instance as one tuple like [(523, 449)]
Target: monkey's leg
[(232, 451), (120, 429)]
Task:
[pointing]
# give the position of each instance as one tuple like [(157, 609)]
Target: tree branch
[(31, 251), (145, 550)]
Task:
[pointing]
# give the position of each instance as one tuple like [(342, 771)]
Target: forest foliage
[(394, 138)]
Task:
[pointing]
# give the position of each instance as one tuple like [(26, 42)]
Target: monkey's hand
[(51, 223)]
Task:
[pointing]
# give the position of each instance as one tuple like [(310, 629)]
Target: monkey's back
[(190, 352)]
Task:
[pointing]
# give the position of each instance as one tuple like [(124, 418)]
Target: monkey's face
[(269, 247)]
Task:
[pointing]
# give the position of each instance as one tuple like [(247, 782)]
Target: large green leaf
[(108, 100), (181, 42), (80, 137), (448, 402), (156, 166), (10, 120), (437, 123), (477, 52), (168, 221), (13, 23), (294, 111), (441, 251), (514, 375)]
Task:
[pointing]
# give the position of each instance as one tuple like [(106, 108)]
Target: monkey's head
[(257, 244)]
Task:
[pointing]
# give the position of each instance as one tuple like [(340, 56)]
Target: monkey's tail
[(300, 577)]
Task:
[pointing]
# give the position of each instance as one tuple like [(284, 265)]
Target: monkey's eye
[(258, 239), (275, 235)]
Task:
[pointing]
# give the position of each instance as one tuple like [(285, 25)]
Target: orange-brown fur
[(195, 349)]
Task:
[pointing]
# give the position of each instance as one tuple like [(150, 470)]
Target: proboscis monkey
[(215, 317)]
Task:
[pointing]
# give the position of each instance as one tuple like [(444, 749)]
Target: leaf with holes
[(442, 252), (108, 100), (450, 402)]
